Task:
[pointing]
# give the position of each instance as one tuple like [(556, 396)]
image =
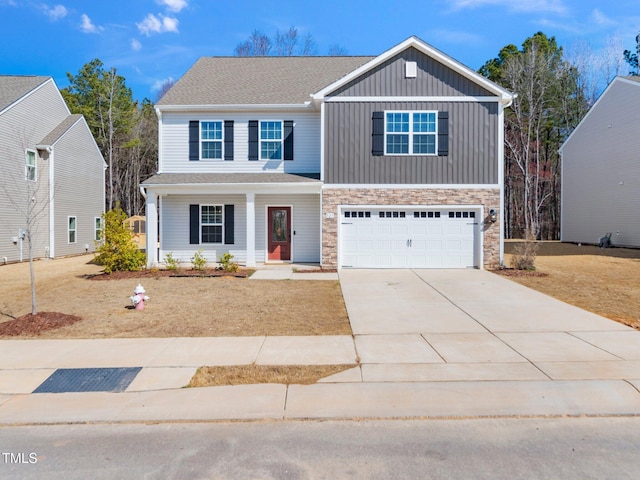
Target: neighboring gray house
[(52, 167), (601, 170), (394, 161)]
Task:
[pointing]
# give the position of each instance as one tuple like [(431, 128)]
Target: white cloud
[(87, 26), (555, 6), (136, 46), (601, 19), (173, 5), (55, 13), (152, 24)]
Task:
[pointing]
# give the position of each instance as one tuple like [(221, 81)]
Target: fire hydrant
[(139, 298)]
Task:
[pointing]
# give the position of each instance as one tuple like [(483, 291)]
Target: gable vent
[(410, 70)]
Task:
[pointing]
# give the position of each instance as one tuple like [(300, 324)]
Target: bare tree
[(27, 192), (336, 50), (550, 102), (596, 68), (257, 45), (286, 44), (166, 86)]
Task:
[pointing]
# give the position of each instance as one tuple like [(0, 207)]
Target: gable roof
[(292, 81), (14, 87), (629, 80), (420, 45), (257, 80), (55, 134)]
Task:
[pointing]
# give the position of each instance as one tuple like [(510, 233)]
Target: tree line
[(554, 91)]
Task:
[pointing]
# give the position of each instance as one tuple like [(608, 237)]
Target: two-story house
[(367, 162), (52, 178)]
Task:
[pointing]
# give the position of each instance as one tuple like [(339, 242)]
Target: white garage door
[(408, 238)]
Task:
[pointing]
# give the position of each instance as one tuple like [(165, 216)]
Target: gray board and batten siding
[(473, 127)]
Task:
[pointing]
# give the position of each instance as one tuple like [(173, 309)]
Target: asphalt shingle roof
[(258, 80), (53, 136), (215, 178), (14, 87)]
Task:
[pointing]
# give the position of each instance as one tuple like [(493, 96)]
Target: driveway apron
[(434, 325)]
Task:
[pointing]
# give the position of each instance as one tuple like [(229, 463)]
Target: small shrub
[(524, 254), (199, 261), (170, 261), (117, 251), (226, 264)]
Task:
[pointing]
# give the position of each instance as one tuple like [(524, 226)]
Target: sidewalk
[(425, 344), (388, 389)]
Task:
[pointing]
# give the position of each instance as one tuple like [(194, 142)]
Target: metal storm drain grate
[(88, 380)]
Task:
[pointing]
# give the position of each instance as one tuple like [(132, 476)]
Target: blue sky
[(150, 41)]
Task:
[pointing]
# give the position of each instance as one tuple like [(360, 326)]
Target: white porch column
[(151, 210), (251, 229)]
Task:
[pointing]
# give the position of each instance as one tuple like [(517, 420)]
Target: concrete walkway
[(430, 343)]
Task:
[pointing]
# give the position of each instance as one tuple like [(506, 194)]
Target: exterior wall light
[(493, 216)]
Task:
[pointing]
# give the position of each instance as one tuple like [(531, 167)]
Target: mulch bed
[(35, 324), (510, 272), (157, 273)]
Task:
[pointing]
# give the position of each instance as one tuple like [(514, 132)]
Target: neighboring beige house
[(52, 167), (601, 170)]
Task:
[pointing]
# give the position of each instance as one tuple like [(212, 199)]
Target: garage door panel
[(409, 238)]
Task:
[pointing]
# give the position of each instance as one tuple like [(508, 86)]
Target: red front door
[(279, 231)]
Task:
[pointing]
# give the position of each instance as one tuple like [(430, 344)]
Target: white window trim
[(69, 229), (221, 224), (97, 233), (260, 140), (34, 166), (201, 141), (411, 134)]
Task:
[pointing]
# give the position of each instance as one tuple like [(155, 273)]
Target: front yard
[(603, 281), (178, 307)]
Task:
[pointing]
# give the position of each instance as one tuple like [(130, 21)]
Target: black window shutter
[(229, 224), (194, 224), (377, 136), (288, 140), (253, 139), (194, 140), (443, 133), (228, 139)]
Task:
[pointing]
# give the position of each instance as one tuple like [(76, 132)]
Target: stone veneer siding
[(334, 197)]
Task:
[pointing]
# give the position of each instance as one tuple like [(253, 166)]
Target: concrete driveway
[(465, 325)]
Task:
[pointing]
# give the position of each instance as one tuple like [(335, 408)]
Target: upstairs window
[(271, 140), (410, 133), (30, 168), (211, 138)]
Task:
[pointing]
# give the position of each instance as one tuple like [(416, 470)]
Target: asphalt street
[(506, 448)]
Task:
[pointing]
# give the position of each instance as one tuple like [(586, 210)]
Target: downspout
[(52, 223), (322, 154), (502, 106)]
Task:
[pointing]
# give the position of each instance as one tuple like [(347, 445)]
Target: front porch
[(257, 218)]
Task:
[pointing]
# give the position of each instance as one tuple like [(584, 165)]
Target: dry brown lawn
[(603, 281), (178, 307), (253, 374)]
